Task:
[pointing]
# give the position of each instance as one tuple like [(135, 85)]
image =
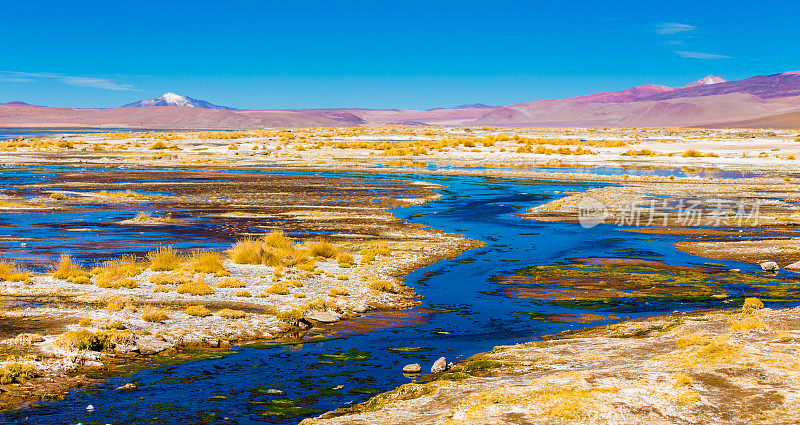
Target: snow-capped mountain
[(708, 80), (172, 99)]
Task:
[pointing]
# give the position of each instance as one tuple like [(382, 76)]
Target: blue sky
[(410, 54)]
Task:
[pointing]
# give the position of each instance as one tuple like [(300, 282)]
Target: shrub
[(247, 251), (338, 292), (279, 288), (207, 262), (277, 240), (169, 279), (243, 294), (158, 145), (164, 259), (71, 272), (114, 304), (291, 315), (198, 310), (752, 304), (198, 287), (9, 273), (228, 313), (85, 340), (383, 249), (691, 153), (322, 249), (154, 316), (345, 260), (161, 288), (382, 285), (115, 325), (17, 372), (85, 322), (368, 255), (231, 283)]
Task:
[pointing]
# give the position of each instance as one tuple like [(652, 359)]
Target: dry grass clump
[(228, 313), (691, 339), (294, 282), (114, 325), (9, 273), (83, 339), (338, 292), (164, 258), (231, 283), (85, 322), (114, 304), (279, 288), (198, 287), (368, 255), (198, 310), (691, 153), (118, 273), (748, 324), (751, 305), (153, 316), (382, 286), (322, 249), (161, 288), (682, 380), (291, 315), (145, 218), (717, 352), (345, 260), (243, 294), (17, 372), (207, 262), (158, 145), (71, 272), (299, 295), (169, 279)]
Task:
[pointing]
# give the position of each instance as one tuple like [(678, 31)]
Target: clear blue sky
[(404, 54)]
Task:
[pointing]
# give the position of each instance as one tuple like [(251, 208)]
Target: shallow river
[(467, 318)]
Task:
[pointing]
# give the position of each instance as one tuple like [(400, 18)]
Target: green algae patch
[(482, 365), (352, 357), (453, 376), (408, 349), (217, 398), (284, 408), (605, 282)]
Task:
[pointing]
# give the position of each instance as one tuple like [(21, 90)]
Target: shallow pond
[(461, 315)]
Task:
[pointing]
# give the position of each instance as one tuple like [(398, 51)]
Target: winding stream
[(460, 316)]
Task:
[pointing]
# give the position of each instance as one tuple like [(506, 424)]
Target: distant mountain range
[(760, 101)]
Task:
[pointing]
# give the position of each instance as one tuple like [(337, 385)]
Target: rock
[(125, 348), (793, 266), (412, 368), (440, 365), (94, 363), (23, 245), (735, 270), (770, 267), (151, 346), (273, 391), (322, 316), (130, 386), (338, 387), (89, 408), (361, 308)]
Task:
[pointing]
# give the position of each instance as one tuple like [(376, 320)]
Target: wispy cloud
[(72, 80), (700, 55), (669, 28)]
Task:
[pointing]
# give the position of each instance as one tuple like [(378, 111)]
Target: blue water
[(471, 319)]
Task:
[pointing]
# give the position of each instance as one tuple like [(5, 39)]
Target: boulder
[(439, 366), (412, 368), (322, 316), (770, 267), (151, 346), (793, 266), (130, 386)]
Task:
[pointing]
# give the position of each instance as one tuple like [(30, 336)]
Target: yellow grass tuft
[(322, 249), (752, 304), (279, 288), (691, 339), (164, 259), (231, 283), (71, 272), (207, 262), (382, 286), (228, 313), (169, 279), (198, 287), (345, 260), (198, 310), (243, 294), (9, 273)]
